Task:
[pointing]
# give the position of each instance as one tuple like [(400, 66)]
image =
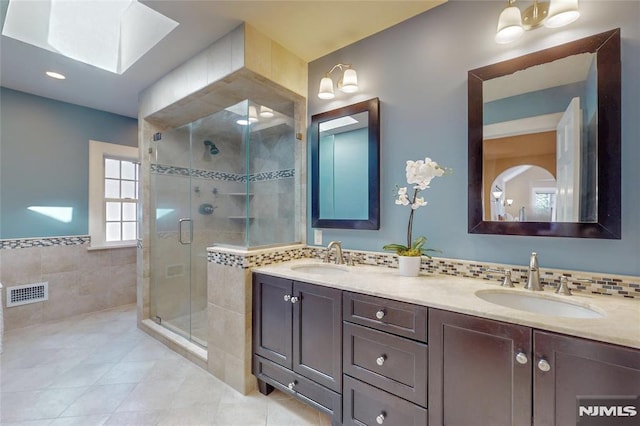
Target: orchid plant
[(419, 174)]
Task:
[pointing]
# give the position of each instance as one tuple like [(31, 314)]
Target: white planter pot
[(409, 265)]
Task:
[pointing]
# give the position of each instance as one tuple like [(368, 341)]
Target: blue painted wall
[(344, 178), (44, 161), (419, 70), (531, 104)]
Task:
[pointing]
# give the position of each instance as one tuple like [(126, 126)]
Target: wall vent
[(29, 293)]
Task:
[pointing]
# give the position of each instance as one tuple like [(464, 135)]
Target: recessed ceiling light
[(55, 75)]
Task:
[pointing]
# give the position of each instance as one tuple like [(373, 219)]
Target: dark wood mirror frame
[(608, 225), (373, 220)]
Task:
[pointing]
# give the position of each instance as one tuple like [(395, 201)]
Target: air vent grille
[(29, 293)]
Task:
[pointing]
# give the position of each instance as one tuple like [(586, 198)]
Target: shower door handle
[(180, 222)]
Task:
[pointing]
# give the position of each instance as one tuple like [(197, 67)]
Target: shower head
[(213, 149)]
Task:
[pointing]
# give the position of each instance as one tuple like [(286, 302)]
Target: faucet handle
[(507, 282), (563, 287)]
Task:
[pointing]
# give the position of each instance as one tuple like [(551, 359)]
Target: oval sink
[(321, 268), (538, 304)]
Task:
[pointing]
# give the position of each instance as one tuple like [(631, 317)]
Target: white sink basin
[(538, 304), (321, 268)]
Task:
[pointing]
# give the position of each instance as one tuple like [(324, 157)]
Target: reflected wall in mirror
[(345, 167), (544, 142)]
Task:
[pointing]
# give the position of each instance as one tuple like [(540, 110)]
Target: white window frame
[(97, 153)]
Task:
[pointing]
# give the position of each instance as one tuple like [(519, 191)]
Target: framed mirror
[(345, 167), (544, 142)]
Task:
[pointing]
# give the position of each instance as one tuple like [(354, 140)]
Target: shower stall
[(224, 179)]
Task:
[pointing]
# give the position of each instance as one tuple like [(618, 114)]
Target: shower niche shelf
[(240, 194)]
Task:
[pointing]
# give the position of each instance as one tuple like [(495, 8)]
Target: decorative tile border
[(223, 176), (579, 282), (44, 242)]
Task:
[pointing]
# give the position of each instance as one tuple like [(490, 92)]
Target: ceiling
[(308, 28)]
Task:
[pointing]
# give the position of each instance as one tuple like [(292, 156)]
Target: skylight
[(107, 34)]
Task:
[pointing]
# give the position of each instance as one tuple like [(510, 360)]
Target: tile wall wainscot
[(80, 280)]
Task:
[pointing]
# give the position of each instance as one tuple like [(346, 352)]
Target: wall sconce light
[(348, 83), (509, 201), (266, 112), (497, 193), (552, 14)]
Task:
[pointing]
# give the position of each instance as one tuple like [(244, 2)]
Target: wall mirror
[(544, 142), (345, 167)]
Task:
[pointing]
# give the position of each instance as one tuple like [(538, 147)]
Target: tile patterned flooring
[(99, 369)]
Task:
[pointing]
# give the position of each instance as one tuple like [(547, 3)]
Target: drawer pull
[(291, 385), (380, 418), (521, 358), (544, 365), (294, 299), (380, 360), (287, 297), (380, 314)]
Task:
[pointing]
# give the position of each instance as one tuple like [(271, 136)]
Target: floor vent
[(29, 293)]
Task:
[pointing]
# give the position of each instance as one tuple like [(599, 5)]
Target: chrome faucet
[(339, 256), (533, 281)]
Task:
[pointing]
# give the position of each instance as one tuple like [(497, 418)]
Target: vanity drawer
[(403, 319), (367, 405), (393, 363), (304, 389)]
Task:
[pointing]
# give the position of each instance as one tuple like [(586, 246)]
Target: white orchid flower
[(419, 202)]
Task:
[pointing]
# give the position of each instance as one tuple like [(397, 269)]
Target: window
[(114, 175)]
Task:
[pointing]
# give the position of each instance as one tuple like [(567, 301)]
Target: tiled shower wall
[(80, 280)]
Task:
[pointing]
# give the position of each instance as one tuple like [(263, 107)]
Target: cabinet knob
[(380, 418), (291, 385), (380, 314), (380, 360), (544, 365), (287, 297), (521, 358), (294, 299)]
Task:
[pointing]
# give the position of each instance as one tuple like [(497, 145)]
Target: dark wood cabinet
[(407, 364), (297, 340), (579, 367), (474, 376), (485, 372)]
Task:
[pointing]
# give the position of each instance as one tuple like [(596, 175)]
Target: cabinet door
[(579, 367), (272, 315), (474, 377), (317, 334)]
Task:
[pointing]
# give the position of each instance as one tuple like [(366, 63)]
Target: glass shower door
[(172, 231)]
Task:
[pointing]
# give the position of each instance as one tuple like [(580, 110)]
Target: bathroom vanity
[(368, 347)]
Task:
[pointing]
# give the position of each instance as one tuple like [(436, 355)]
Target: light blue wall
[(540, 102), (419, 71), (343, 179), (44, 161)]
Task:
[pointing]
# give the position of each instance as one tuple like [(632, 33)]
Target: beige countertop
[(619, 325)]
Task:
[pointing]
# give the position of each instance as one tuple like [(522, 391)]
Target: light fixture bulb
[(497, 194), (349, 81), (326, 88), (55, 75), (253, 114), (266, 112), (561, 13), (242, 122), (509, 25)]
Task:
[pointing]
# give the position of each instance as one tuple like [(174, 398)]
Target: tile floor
[(99, 369)]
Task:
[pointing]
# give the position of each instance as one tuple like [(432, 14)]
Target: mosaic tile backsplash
[(589, 282)]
